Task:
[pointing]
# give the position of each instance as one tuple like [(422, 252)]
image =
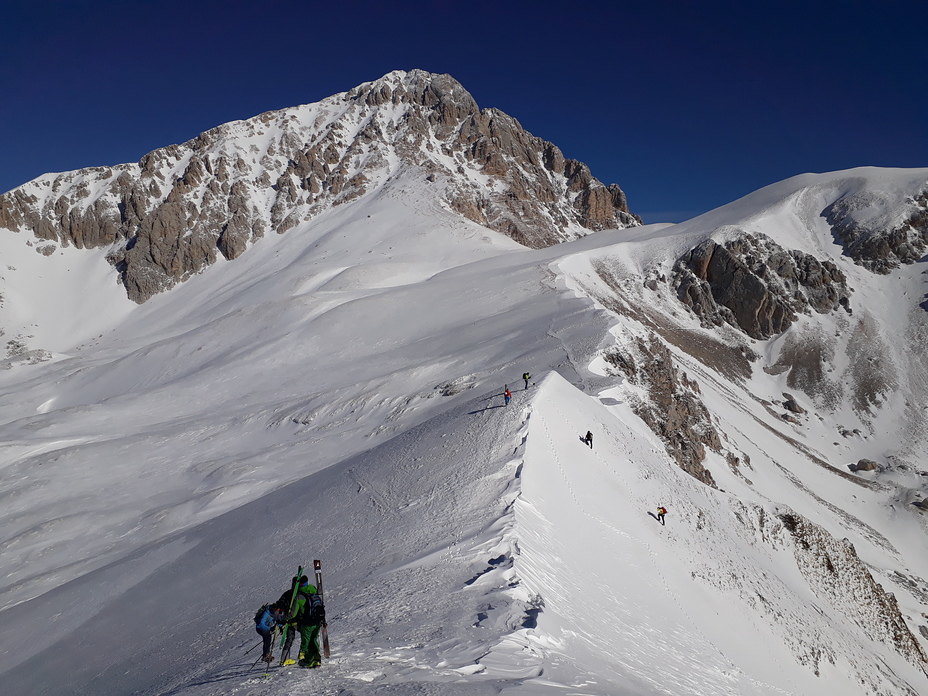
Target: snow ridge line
[(514, 655)]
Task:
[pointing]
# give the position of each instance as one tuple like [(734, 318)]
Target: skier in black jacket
[(289, 629)]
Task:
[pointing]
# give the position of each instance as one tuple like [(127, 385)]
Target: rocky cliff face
[(841, 597), (880, 245), (174, 212), (673, 410), (754, 284), (837, 576)]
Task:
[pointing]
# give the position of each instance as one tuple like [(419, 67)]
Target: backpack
[(260, 613), (313, 611)]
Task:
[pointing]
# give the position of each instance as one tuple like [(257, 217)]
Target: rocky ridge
[(842, 593), (174, 212), (838, 576), (753, 283), (673, 411), (876, 245)]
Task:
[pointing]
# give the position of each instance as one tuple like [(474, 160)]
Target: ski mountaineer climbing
[(661, 511), (507, 395), (289, 629), (526, 376), (265, 622), (589, 439), (309, 617)]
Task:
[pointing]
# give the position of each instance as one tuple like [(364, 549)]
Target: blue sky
[(686, 105)]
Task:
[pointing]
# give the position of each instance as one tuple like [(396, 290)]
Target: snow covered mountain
[(172, 214), (335, 393)]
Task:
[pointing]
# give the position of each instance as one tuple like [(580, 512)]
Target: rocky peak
[(170, 215)]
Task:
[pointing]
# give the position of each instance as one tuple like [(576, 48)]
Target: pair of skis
[(283, 638), (317, 567)]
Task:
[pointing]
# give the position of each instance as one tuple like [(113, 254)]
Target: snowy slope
[(335, 393)]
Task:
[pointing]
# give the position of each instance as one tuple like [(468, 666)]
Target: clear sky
[(686, 105)]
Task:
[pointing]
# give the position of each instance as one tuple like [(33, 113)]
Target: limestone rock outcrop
[(754, 284), (673, 410), (174, 212), (880, 245), (865, 465), (836, 574)]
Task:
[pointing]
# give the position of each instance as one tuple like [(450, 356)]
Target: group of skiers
[(299, 610)]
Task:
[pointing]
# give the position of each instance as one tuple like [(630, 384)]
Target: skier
[(288, 628), (507, 395), (309, 617), (589, 439), (265, 622), (526, 376), (661, 511)]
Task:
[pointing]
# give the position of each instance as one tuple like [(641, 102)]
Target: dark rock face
[(675, 412), (790, 404), (756, 285), (880, 249), (170, 216)]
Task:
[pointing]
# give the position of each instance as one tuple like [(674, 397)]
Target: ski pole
[(253, 647), (260, 657), (267, 664)]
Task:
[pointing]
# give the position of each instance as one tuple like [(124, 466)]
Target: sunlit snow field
[(335, 393)]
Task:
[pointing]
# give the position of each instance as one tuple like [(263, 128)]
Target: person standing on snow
[(589, 439), (661, 511), (289, 629), (309, 617), (526, 376), (265, 623), (507, 395)]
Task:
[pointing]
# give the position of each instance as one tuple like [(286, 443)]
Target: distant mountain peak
[(174, 212)]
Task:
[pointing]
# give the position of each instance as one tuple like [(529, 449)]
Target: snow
[(38, 287), (335, 393)]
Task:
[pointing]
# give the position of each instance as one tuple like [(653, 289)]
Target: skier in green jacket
[(309, 617)]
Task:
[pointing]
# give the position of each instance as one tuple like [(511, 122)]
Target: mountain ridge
[(336, 392), (181, 207)]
